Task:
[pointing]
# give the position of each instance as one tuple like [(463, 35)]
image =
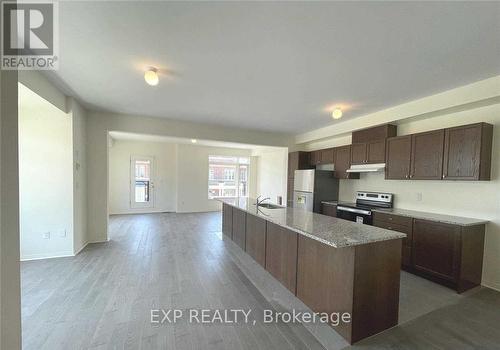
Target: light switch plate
[(46, 235), (419, 197)]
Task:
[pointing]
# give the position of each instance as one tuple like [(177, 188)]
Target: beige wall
[(272, 167), (478, 102), (165, 175), (45, 178), (99, 124), (79, 119), (478, 199), (10, 295)]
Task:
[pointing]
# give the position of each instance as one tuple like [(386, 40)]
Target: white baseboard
[(491, 285), (81, 248), (103, 241), (45, 256)]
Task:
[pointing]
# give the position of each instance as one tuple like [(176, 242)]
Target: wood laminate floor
[(102, 298)]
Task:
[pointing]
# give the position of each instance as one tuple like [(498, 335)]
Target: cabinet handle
[(406, 176), (390, 219)]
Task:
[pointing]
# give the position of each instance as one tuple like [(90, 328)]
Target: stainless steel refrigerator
[(311, 187)]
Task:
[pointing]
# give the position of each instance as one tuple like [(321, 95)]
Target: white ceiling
[(128, 136), (272, 65)]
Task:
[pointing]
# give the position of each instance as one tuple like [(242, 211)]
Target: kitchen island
[(332, 265)]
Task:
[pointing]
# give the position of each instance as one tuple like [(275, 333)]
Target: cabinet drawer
[(396, 227), (391, 218)]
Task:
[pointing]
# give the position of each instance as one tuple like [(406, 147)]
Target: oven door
[(360, 216)]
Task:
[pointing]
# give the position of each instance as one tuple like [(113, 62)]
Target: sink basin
[(270, 206)]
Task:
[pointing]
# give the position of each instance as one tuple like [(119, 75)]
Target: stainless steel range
[(361, 211)]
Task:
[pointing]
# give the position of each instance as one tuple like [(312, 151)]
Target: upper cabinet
[(322, 156), (343, 162), (368, 145), (461, 153), (297, 161), (427, 155), (368, 153), (397, 165), (467, 152)]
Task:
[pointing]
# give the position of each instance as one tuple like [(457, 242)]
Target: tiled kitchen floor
[(101, 299)]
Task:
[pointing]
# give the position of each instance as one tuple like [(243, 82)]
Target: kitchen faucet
[(259, 202)]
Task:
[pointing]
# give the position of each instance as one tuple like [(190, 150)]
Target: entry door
[(141, 182)]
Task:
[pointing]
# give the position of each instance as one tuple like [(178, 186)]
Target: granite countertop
[(335, 232), (330, 202), (447, 219)]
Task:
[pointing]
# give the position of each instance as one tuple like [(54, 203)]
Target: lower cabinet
[(239, 227), (401, 224), (448, 254), (329, 209), (281, 255), (256, 239), (227, 220), (436, 249)]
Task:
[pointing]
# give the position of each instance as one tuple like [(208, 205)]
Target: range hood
[(366, 168)]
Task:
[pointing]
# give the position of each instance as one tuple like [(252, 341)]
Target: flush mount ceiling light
[(194, 140), (337, 113), (151, 76)]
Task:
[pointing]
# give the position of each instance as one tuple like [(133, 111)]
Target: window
[(141, 191), (228, 176)]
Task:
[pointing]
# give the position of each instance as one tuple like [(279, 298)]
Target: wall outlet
[(62, 233), (46, 235), (418, 197)]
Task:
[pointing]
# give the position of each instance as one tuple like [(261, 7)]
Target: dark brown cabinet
[(377, 133), (296, 161), (467, 152), (460, 153), (329, 209), (376, 152), (227, 220), (343, 162), (359, 153), (368, 153), (436, 248), (397, 164), (362, 280), (327, 156), (256, 239), (315, 158), (448, 254), (239, 227), (281, 255), (401, 224), (427, 152)]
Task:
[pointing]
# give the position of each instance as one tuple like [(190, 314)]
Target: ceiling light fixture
[(337, 113), (194, 140), (151, 76)]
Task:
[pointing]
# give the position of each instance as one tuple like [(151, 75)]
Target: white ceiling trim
[(485, 92)]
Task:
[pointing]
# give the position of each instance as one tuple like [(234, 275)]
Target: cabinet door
[(293, 163), (343, 162), (281, 255), (289, 192), (427, 155), (327, 156), (376, 152), (398, 154), (315, 158), (462, 152), (227, 220), (358, 153), (239, 227), (436, 248), (256, 239), (329, 210)]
